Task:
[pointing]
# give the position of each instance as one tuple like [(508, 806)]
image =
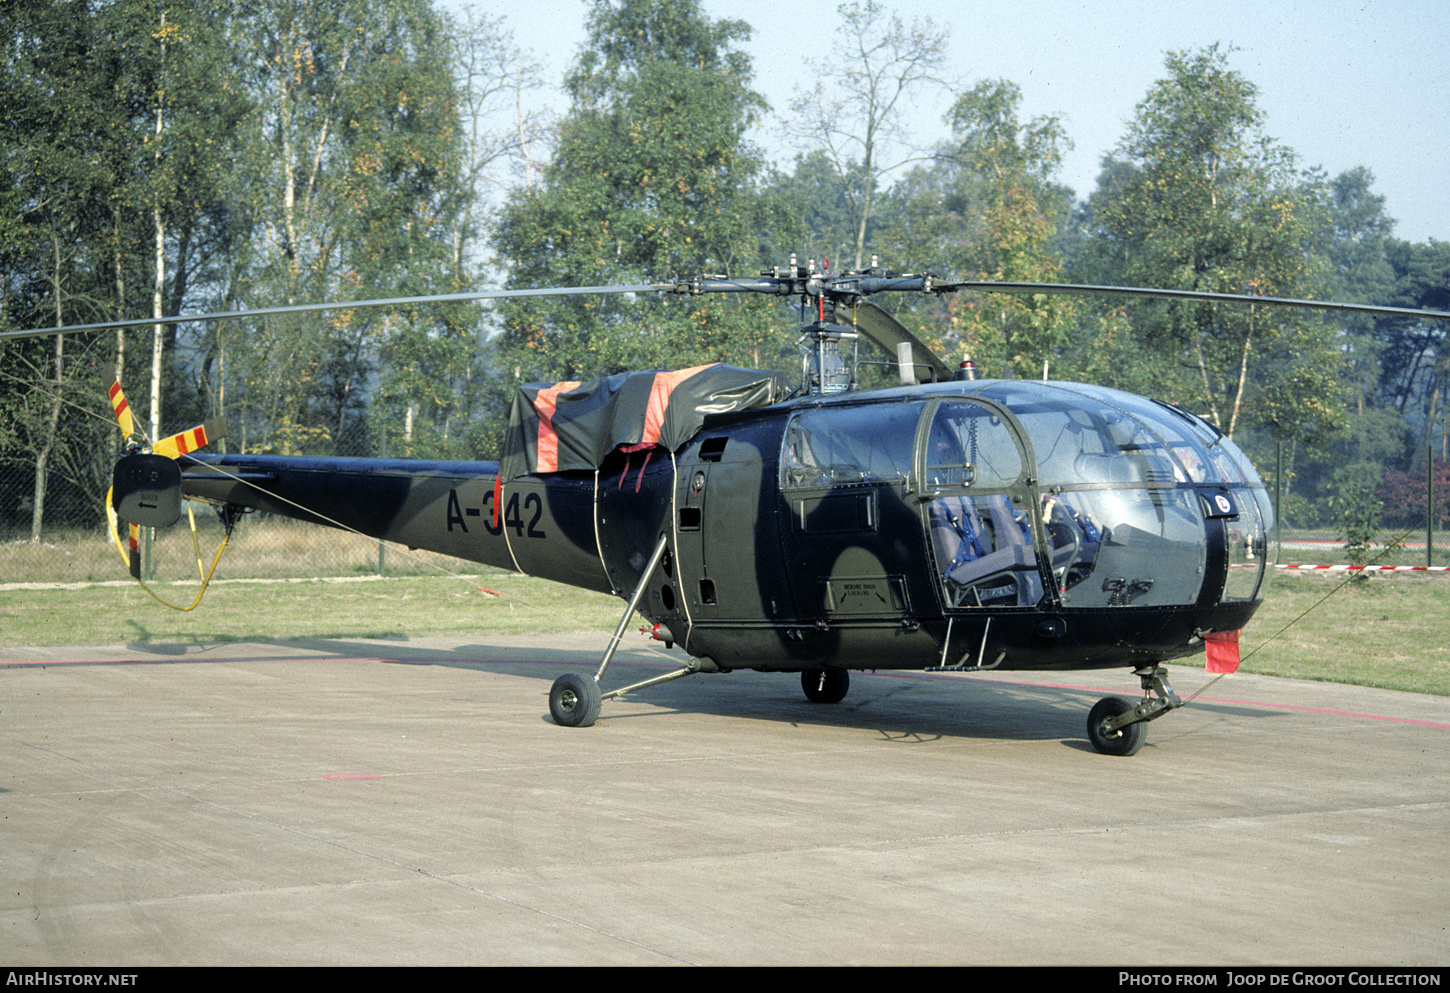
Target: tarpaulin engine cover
[(575, 425)]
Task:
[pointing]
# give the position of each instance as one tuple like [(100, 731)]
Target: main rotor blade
[(854, 286), (1138, 291), (303, 308), (887, 332)]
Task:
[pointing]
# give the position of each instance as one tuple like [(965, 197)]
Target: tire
[(574, 701), (1125, 740), (825, 685)]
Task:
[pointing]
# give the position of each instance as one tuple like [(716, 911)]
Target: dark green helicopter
[(954, 525)]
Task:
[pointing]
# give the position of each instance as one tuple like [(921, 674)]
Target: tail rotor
[(146, 486)]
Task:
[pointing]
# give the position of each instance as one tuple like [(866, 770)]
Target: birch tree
[(856, 115), (1200, 199)]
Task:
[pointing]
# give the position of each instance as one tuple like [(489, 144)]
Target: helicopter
[(949, 524)]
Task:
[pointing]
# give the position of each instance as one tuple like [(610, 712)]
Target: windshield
[(1125, 486)]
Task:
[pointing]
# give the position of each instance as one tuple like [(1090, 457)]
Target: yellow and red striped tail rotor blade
[(133, 549), (122, 409), (189, 441)]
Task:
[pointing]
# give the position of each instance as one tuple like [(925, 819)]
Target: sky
[(1343, 83)]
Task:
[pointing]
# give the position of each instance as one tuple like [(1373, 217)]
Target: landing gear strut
[(1116, 727), (574, 700)]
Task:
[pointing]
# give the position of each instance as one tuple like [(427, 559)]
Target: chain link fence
[(260, 548), (75, 545)]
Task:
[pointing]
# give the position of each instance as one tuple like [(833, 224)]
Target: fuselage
[(1009, 524)]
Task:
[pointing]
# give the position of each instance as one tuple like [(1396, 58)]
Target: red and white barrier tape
[(1370, 568)]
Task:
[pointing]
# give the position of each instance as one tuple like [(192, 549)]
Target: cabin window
[(981, 535), (983, 547), (969, 445), (838, 445), (1084, 441), (1118, 507), (1248, 541)]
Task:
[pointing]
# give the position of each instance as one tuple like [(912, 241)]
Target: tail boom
[(541, 526)]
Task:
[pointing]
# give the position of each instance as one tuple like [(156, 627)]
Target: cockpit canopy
[(1112, 498)]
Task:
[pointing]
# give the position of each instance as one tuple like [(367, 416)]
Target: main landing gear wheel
[(1125, 740), (574, 700), (825, 685)]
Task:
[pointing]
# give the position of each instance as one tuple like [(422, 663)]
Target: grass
[(115, 614), (1390, 631)]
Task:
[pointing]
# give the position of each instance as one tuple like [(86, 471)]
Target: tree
[(162, 158), (1404, 493), (353, 184), (1010, 208), (1351, 234), (493, 77), (855, 114), (1415, 357), (1356, 510), (68, 154), (1198, 198), (191, 116), (817, 203), (652, 179)]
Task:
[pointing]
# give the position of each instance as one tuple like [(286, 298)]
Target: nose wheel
[(1124, 740), (1117, 726)]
